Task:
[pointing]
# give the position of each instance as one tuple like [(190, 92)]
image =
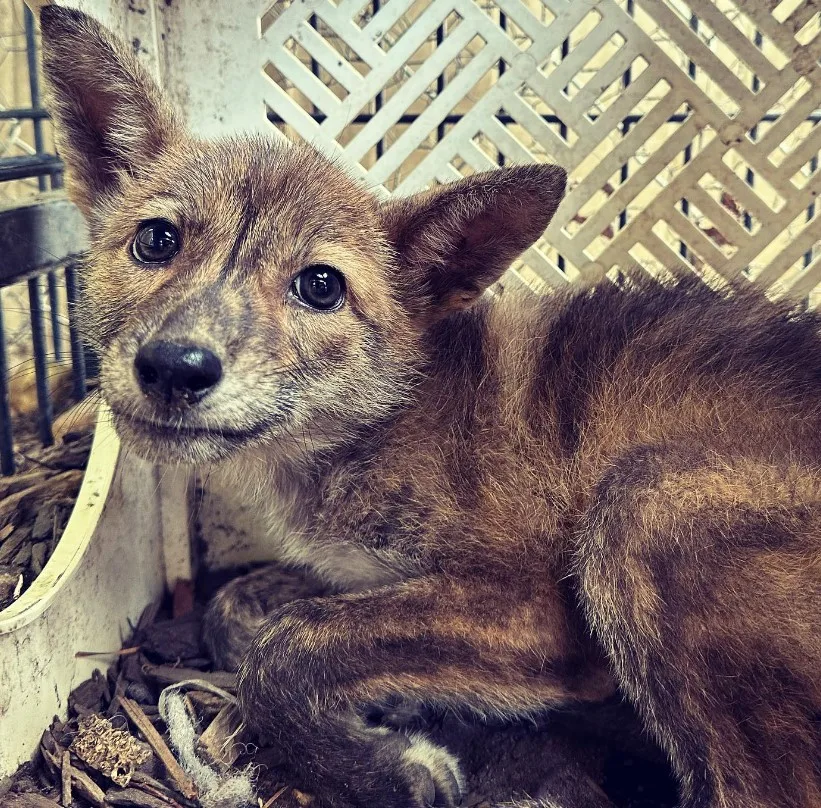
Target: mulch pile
[(35, 505), (114, 750)]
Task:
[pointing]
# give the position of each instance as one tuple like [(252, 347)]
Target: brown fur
[(520, 501)]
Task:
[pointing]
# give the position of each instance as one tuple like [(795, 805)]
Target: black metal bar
[(45, 412), (39, 145), (565, 53), (39, 235), (78, 360), (6, 437), (54, 312), (23, 113), (34, 87), (560, 262), (313, 21), (750, 174), (20, 168)]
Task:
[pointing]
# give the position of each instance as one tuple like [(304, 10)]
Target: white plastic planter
[(108, 565)]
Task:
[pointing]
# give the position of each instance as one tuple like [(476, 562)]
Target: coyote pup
[(520, 502)]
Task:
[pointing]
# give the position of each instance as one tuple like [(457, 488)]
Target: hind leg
[(702, 578)]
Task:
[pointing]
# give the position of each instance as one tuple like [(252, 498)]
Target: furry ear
[(457, 239), (110, 117)]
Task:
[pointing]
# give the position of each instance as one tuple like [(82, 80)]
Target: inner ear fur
[(454, 241), (111, 119)]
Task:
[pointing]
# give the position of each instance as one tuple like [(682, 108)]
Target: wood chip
[(133, 798), (90, 695), (275, 797), (28, 801), (20, 482), (168, 675), (11, 584), (65, 779), (87, 788), (155, 741), (156, 788), (39, 552), (221, 743), (173, 640), (60, 483), (183, 602), (13, 543), (43, 526), (206, 704)]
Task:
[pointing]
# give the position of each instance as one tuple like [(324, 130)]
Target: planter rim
[(75, 541)]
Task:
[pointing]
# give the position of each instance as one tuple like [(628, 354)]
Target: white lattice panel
[(646, 103)]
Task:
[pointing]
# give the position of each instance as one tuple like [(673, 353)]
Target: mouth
[(175, 442), (184, 431)]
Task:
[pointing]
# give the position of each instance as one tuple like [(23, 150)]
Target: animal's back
[(652, 365), (690, 422)]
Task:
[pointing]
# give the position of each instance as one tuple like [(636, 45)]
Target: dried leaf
[(113, 752)]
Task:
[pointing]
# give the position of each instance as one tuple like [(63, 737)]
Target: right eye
[(157, 242)]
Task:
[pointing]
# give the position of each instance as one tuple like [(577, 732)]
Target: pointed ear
[(110, 117), (456, 240)]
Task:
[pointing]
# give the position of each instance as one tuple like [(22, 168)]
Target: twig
[(155, 741), (85, 786), (121, 653), (275, 797), (154, 787), (65, 778)]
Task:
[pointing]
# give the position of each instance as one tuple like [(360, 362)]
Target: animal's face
[(241, 294), (246, 292)]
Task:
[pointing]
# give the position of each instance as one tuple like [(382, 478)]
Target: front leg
[(501, 646)]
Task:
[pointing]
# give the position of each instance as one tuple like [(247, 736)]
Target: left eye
[(319, 286), (157, 242)]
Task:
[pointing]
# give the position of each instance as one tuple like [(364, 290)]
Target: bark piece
[(220, 744)]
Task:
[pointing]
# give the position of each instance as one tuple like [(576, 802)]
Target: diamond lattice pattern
[(689, 130)]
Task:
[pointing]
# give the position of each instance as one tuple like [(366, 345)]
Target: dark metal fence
[(40, 241)]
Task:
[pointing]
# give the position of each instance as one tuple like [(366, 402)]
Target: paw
[(237, 612), (432, 773), (380, 767)]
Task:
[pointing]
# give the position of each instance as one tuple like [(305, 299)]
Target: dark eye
[(157, 242), (320, 287)]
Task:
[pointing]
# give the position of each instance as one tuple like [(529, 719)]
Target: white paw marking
[(436, 759)]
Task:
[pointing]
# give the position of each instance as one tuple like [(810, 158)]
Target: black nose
[(177, 374)]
